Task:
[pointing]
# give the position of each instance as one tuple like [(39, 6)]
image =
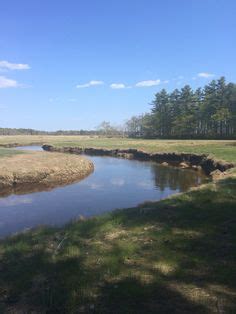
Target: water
[(115, 183), (32, 147)]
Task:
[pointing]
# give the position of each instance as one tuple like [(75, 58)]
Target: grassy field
[(223, 150), (174, 256)]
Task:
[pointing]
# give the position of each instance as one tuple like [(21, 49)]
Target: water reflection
[(31, 147), (115, 183), (175, 178), (14, 200)]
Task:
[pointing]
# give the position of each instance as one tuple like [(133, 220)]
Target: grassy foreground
[(224, 150), (174, 256)]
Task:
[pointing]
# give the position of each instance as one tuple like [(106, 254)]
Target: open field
[(220, 149), (173, 256)]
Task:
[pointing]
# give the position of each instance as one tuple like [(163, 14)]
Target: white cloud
[(148, 83), (89, 84), (5, 65), (96, 83), (117, 85), (166, 81), (6, 83), (205, 74)]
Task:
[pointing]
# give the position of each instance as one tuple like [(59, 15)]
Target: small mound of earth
[(30, 171)]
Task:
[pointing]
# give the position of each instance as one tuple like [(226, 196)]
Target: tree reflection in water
[(176, 179)]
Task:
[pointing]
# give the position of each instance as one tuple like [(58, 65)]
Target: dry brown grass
[(42, 169)]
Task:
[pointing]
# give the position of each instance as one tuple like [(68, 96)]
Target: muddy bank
[(41, 171), (184, 160)]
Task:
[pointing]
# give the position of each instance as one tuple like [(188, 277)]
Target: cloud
[(5, 65), (148, 83), (89, 84), (205, 74), (117, 86), (7, 83)]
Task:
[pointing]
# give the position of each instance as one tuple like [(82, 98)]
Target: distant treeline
[(9, 131), (104, 129), (208, 112)]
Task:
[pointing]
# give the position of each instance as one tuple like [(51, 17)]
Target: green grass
[(223, 150), (5, 152), (173, 256), (220, 149)]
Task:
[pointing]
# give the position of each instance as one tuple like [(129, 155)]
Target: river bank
[(219, 149), (25, 172), (184, 160)]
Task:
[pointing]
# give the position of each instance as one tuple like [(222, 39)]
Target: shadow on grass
[(174, 256)]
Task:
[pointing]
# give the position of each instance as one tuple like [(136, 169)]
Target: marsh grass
[(32, 170), (5, 152), (173, 256), (220, 149)]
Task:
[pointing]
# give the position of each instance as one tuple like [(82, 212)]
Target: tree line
[(208, 112), (105, 129), (22, 131)]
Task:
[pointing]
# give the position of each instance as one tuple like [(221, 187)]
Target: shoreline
[(198, 162)]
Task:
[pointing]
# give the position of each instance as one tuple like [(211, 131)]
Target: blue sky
[(72, 64)]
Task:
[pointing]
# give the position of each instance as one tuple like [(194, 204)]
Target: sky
[(73, 64)]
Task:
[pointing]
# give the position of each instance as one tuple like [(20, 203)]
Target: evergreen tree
[(204, 113)]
